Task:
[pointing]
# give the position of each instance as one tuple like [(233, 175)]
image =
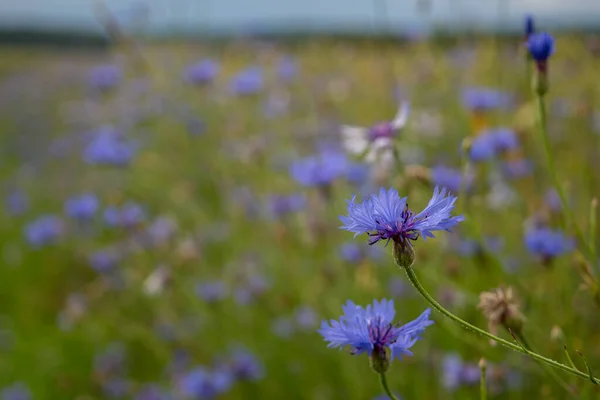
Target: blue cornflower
[(111, 360), (17, 391), (483, 148), (247, 82), (483, 99), (306, 317), (129, 215), (103, 261), (320, 170), (358, 174), (514, 169), (546, 243), (492, 142), (385, 216), (203, 384), (529, 26), (104, 77), (44, 230), (202, 72), (82, 207), (505, 139), (151, 392), (281, 205), (351, 252), (245, 366), (211, 292), (16, 203), (287, 69), (108, 147), (552, 200), (373, 330), (450, 178), (540, 46)]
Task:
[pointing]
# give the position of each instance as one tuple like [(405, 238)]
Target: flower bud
[(404, 254), (379, 361)]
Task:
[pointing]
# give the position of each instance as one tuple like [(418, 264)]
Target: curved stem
[(549, 371), (410, 273), (385, 387)]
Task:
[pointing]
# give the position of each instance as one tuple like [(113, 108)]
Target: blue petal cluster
[(547, 243), (247, 82), (478, 98), (385, 216), (373, 329), (540, 46), (450, 178), (108, 147), (492, 142), (82, 207), (105, 77), (45, 230), (202, 72), (320, 170)]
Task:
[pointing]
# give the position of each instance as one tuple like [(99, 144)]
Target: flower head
[(108, 147), (484, 99), (320, 170), (386, 216), (202, 72), (17, 391), (372, 330), (546, 243), (44, 230), (203, 384), (247, 82), (500, 307), (450, 178), (81, 207), (376, 141), (105, 77), (540, 46)]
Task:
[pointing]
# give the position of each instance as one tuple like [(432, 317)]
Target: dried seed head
[(500, 307)]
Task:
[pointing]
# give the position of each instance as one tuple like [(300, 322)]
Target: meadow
[(164, 235)]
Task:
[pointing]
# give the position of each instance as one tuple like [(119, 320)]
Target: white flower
[(375, 143)]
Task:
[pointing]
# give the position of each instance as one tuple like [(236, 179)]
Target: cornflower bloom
[(372, 330), (451, 178), (109, 147), (247, 82), (81, 207), (386, 216), (44, 230), (375, 142), (320, 170), (202, 72), (17, 391), (547, 244), (541, 47), (105, 77), (203, 384)]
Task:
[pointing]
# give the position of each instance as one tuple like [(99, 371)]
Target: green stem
[(385, 387), (566, 210), (410, 273), (550, 372), (482, 380)]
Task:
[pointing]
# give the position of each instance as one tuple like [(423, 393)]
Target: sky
[(351, 15)]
